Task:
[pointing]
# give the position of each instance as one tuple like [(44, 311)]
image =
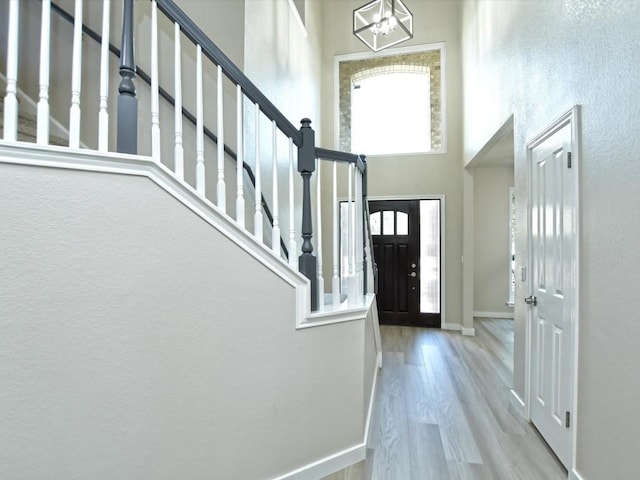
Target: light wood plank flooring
[(442, 411)]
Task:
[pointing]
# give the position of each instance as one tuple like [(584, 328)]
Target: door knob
[(412, 274)]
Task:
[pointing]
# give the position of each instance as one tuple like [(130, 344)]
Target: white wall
[(491, 239), (536, 60), (410, 175), (138, 342), (283, 60)]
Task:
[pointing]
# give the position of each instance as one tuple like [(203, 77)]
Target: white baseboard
[(517, 402), (493, 314), (451, 326), (328, 465), (372, 397), (338, 461), (573, 475), (454, 327)]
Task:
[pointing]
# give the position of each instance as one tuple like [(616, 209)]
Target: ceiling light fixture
[(383, 23)]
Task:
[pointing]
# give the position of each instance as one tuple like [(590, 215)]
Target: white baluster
[(357, 248), (352, 239), (240, 161), (103, 113), (319, 235), (178, 149), (155, 96), (361, 236), (257, 218), (275, 231), (335, 280), (293, 246), (42, 136), (11, 98), (199, 126), (76, 79), (221, 189)]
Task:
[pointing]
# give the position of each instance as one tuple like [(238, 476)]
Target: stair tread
[(28, 128)]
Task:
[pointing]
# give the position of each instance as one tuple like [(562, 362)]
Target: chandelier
[(383, 23)]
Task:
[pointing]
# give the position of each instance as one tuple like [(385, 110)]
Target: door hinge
[(568, 159), (531, 300), (567, 419)]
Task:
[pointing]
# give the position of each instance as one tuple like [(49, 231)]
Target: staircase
[(156, 322), (28, 128)]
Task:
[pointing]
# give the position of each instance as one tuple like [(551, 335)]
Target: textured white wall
[(414, 175), (491, 238), (138, 342), (536, 60)]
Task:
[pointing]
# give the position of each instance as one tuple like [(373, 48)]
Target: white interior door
[(553, 237)]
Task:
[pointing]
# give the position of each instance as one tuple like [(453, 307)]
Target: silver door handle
[(531, 300), (412, 274)]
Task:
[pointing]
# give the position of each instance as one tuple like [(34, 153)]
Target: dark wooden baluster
[(127, 130), (306, 166)]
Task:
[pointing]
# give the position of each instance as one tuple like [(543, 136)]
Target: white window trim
[(390, 53)]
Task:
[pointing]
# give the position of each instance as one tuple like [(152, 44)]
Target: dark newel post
[(127, 131), (365, 224), (306, 166)]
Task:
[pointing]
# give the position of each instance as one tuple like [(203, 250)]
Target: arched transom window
[(391, 104)]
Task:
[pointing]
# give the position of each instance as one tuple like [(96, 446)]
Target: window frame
[(390, 53)]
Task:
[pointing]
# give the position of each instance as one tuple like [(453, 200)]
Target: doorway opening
[(408, 250)]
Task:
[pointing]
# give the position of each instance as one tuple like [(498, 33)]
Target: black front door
[(396, 246), (396, 253)]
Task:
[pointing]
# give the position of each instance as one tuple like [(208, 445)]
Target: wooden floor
[(442, 411)]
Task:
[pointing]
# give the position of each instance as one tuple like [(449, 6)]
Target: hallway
[(442, 411)]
